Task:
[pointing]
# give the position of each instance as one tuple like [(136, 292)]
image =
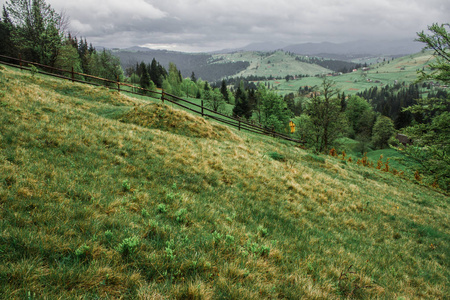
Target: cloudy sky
[(204, 25)]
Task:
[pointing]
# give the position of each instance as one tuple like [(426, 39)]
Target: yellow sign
[(292, 125)]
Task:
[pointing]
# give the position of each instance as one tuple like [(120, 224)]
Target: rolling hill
[(278, 64), (214, 67), (381, 73), (266, 64), (107, 196)]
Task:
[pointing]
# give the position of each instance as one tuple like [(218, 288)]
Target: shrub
[(263, 231), (315, 158), (145, 213), (126, 187), (128, 246), (83, 252), (33, 70), (161, 208), (109, 235), (277, 156), (180, 215), (229, 239)]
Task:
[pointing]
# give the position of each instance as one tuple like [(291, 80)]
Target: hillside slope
[(390, 72), (277, 64), (105, 196)]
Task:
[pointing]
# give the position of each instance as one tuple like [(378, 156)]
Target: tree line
[(36, 32)]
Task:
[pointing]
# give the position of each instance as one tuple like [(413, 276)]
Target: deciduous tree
[(383, 130), (324, 111)]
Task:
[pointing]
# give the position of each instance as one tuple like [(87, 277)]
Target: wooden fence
[(158, 94)]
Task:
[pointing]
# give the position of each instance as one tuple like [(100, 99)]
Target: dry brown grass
[(159, 116)]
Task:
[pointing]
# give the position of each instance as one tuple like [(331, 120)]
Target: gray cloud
[(200, 25)]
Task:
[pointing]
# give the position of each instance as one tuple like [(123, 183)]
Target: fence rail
[(159, 94)]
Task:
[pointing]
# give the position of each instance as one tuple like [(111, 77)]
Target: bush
[(383, 130), (277, 156), (128, 246), (315, 158)]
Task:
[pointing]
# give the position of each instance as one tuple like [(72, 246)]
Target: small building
[(403, 139)]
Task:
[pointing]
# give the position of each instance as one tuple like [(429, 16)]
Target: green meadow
[(107, 196), (380, 74), (277, 64)]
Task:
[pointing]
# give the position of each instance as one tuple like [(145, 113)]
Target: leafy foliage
[(37, 30), (432, 135), (439, 41), (325, 116), (383, 130), (272, 109)]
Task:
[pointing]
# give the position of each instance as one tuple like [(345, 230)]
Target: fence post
[(118, 83), (20, 61), (162, 96), (239, 127), (202, 108), (73, 76)]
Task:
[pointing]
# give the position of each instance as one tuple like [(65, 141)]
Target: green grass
[(277, 64), (399, 70), (103, 197)]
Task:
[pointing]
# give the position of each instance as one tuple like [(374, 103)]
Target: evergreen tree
[(7, 46), (157, 73), (432, 134), (206, 86), (83, 52), (224, 91), (242, 106), (105, 65), (37, 29), (175, 79), (193, 78), (145, 77), (68, 58), (439, 42)]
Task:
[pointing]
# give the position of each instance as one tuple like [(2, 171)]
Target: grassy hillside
[(276, 64), (402, 69), (107, 196)]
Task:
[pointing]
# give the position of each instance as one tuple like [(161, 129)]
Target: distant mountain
[(348, 50), (263, 47), (138, 48), (258, 47), (211, 68), (358, 48)]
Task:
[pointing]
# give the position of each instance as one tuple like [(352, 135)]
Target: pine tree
[(193, 78), (432, 134), (145, 77), (224, 91), (7, 46), (241, 107), (37, 29)]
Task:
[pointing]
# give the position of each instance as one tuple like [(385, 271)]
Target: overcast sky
[(204, 25)]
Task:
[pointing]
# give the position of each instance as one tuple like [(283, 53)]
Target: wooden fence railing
[(159, 94)]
